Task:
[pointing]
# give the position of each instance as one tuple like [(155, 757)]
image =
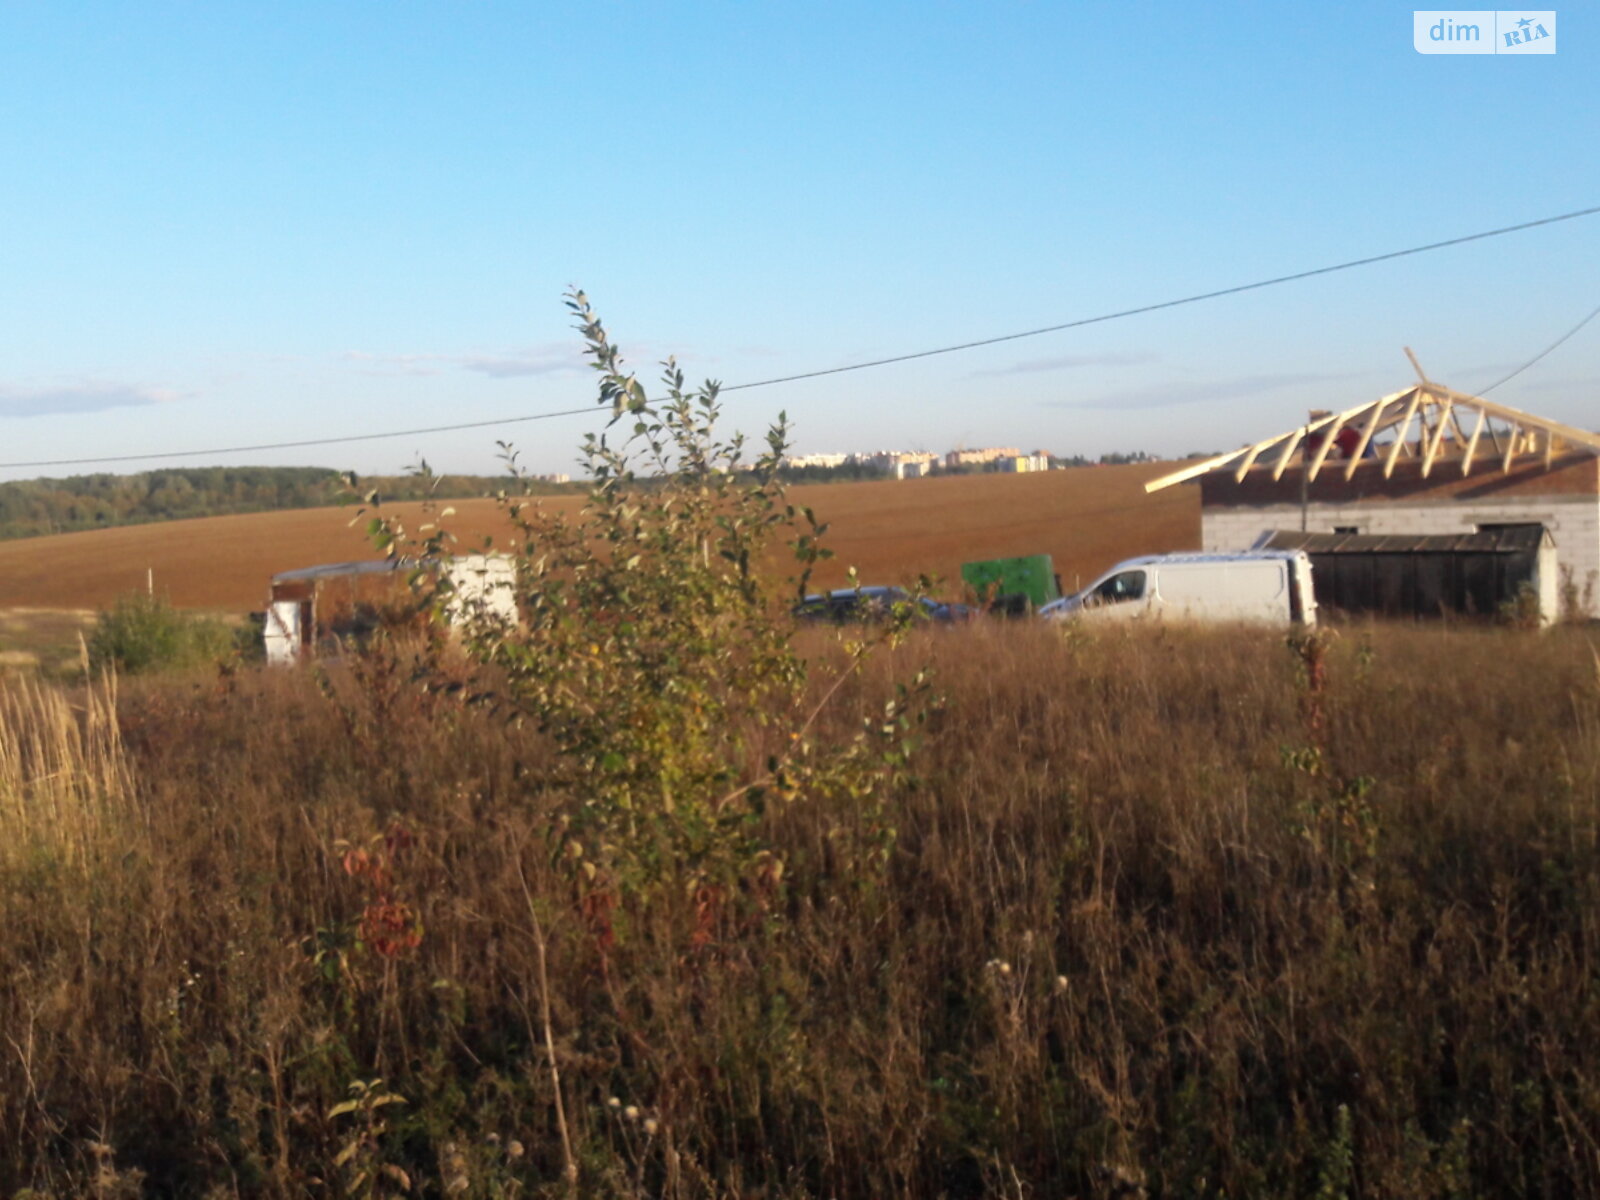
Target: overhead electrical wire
[(1541, 354), (1150, 308), (880, 362)]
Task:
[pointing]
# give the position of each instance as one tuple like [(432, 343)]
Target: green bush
[(655, 649), (145, 633)]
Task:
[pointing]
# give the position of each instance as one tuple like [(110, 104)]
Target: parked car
[(875, 603), (1258, 585)]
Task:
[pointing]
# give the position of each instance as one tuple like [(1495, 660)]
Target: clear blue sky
[(231, 223)]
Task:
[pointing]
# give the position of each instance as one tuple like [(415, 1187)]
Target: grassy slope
[(1086, 518)]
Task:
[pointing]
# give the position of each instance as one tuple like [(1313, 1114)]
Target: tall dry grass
[(1165, 912), (64, 779)]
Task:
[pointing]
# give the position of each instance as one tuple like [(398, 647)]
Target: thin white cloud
[(64, 399), (549, 359), (545, 361), (394, 364), (1064, 362)]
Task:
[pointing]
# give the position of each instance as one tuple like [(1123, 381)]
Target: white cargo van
[(1272, 586)]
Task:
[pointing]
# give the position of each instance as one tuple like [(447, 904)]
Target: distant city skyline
[(229, 226)]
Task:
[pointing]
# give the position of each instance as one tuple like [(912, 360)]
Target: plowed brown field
[(1087, 518)]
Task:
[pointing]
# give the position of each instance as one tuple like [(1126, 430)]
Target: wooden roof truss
[(1428, 423)]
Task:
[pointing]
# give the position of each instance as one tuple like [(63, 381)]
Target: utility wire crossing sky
[(295, 230), (1129, 312)]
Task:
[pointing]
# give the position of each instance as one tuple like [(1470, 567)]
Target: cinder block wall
[(1573, 522)]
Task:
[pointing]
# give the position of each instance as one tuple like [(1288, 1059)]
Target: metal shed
[(1420, 575)]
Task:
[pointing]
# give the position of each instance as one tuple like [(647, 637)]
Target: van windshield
[(1123, 586)]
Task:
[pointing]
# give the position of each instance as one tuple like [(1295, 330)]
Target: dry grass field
[(1155, 913), (48, 637), (890, 531)]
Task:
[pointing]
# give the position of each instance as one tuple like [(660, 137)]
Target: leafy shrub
[(145, 633), (655, 659), (1575, 601), (656, 652), (1522, 610)]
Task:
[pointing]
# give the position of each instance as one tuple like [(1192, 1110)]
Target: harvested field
[(890, 531)]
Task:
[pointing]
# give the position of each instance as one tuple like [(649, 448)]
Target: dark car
[(874, 604)]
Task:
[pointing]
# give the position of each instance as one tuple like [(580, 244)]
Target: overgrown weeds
[(1103, 936), (64, 781)]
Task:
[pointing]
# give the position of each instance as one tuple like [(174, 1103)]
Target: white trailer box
[(314, 607), (482, 587)]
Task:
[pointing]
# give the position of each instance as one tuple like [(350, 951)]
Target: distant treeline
[(32, 507)]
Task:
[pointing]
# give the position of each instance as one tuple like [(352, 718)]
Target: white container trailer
[(1260, 586), (314, 604)]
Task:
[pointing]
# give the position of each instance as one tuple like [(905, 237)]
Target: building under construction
[(1424, 461)]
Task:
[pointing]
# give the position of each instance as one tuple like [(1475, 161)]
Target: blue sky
[(228, 224)]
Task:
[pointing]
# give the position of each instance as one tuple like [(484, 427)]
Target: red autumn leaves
[(389, 927)]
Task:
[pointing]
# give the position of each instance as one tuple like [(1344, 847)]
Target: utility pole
[(1305, 475)]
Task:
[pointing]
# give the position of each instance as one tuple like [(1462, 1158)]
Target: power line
[(1149, 308), (878, 362), (1541, 354)]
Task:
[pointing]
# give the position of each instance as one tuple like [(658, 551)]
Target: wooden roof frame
[(1423, 418)]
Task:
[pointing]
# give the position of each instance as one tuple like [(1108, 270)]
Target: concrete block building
[(1423, 461)]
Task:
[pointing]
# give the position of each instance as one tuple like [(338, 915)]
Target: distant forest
[(32, 507)]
